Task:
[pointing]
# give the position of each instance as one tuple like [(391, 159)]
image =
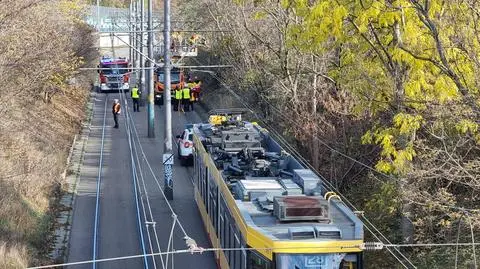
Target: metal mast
[(130, 34), (167, 150), (150, 65), (138, 43), (140, 46)]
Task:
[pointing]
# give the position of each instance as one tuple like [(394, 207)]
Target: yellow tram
[(261, 203)]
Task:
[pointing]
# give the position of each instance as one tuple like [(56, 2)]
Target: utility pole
[(167, 150), (137, 42), (133, 41), (150, 65), (140, 47), (130, 34)]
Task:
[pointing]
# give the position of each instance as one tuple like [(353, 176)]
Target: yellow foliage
[(467, 126), (406, 123), (390, 54), (384, 167), (259, 15)]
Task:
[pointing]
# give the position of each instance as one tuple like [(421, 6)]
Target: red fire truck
[(114, 74)]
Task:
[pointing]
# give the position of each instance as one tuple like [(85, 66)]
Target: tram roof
[(342, 223)]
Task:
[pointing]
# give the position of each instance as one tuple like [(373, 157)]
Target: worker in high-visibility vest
[(116, 111), (186, 98), (136, 98), (178, 99), (191, 83)]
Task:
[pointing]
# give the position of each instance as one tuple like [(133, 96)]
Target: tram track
[(135, 182), (97, 198), (120, 198), (100, 181)]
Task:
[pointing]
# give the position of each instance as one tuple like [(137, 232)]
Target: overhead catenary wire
[(158, 184), (295, 123), (135, 175), (152, 220), (305, 162), (133, 151), (134, 179), (189, 251), (372, 226), (174, 215), (370, 168), (170, 241)]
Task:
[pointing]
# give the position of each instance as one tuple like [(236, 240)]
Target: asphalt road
[(118, 227)]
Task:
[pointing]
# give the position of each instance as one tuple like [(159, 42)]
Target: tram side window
[(227, 238), (232, 245), (201, 179), (222, 231), (196, 167), (256, 261), (205, 189), (238, 253), (213, 203)]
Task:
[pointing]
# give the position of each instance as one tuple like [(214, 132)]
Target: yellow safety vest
[(135, 94), (178, 94), (186, 93)]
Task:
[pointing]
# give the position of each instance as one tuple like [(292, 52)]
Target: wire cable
[(152, 220), (171, 237), (129, 121), (134, 174), (243, 102), (134, 179), (200, 251), (137, 182), (153, 174), (158, 183)]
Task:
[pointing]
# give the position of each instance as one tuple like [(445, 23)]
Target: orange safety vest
[(116, 108)]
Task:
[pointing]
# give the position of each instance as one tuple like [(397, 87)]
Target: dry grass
[(13, 256), (34, 150), (39, 115)]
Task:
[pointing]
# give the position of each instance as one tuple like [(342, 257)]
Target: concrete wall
[(105, 40)]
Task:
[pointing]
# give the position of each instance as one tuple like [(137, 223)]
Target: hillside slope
[(42, 104)]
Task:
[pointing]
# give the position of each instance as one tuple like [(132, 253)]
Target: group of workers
[(183, 99), (186, 96)]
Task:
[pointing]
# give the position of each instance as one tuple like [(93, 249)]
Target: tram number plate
[(314, 262)]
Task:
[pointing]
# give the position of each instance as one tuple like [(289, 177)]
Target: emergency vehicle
[(114, 74), (177, 79)]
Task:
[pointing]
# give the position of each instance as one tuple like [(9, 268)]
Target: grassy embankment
[(42, 103)]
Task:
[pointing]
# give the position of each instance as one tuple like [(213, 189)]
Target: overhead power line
[(202, 250), (375, 230)]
